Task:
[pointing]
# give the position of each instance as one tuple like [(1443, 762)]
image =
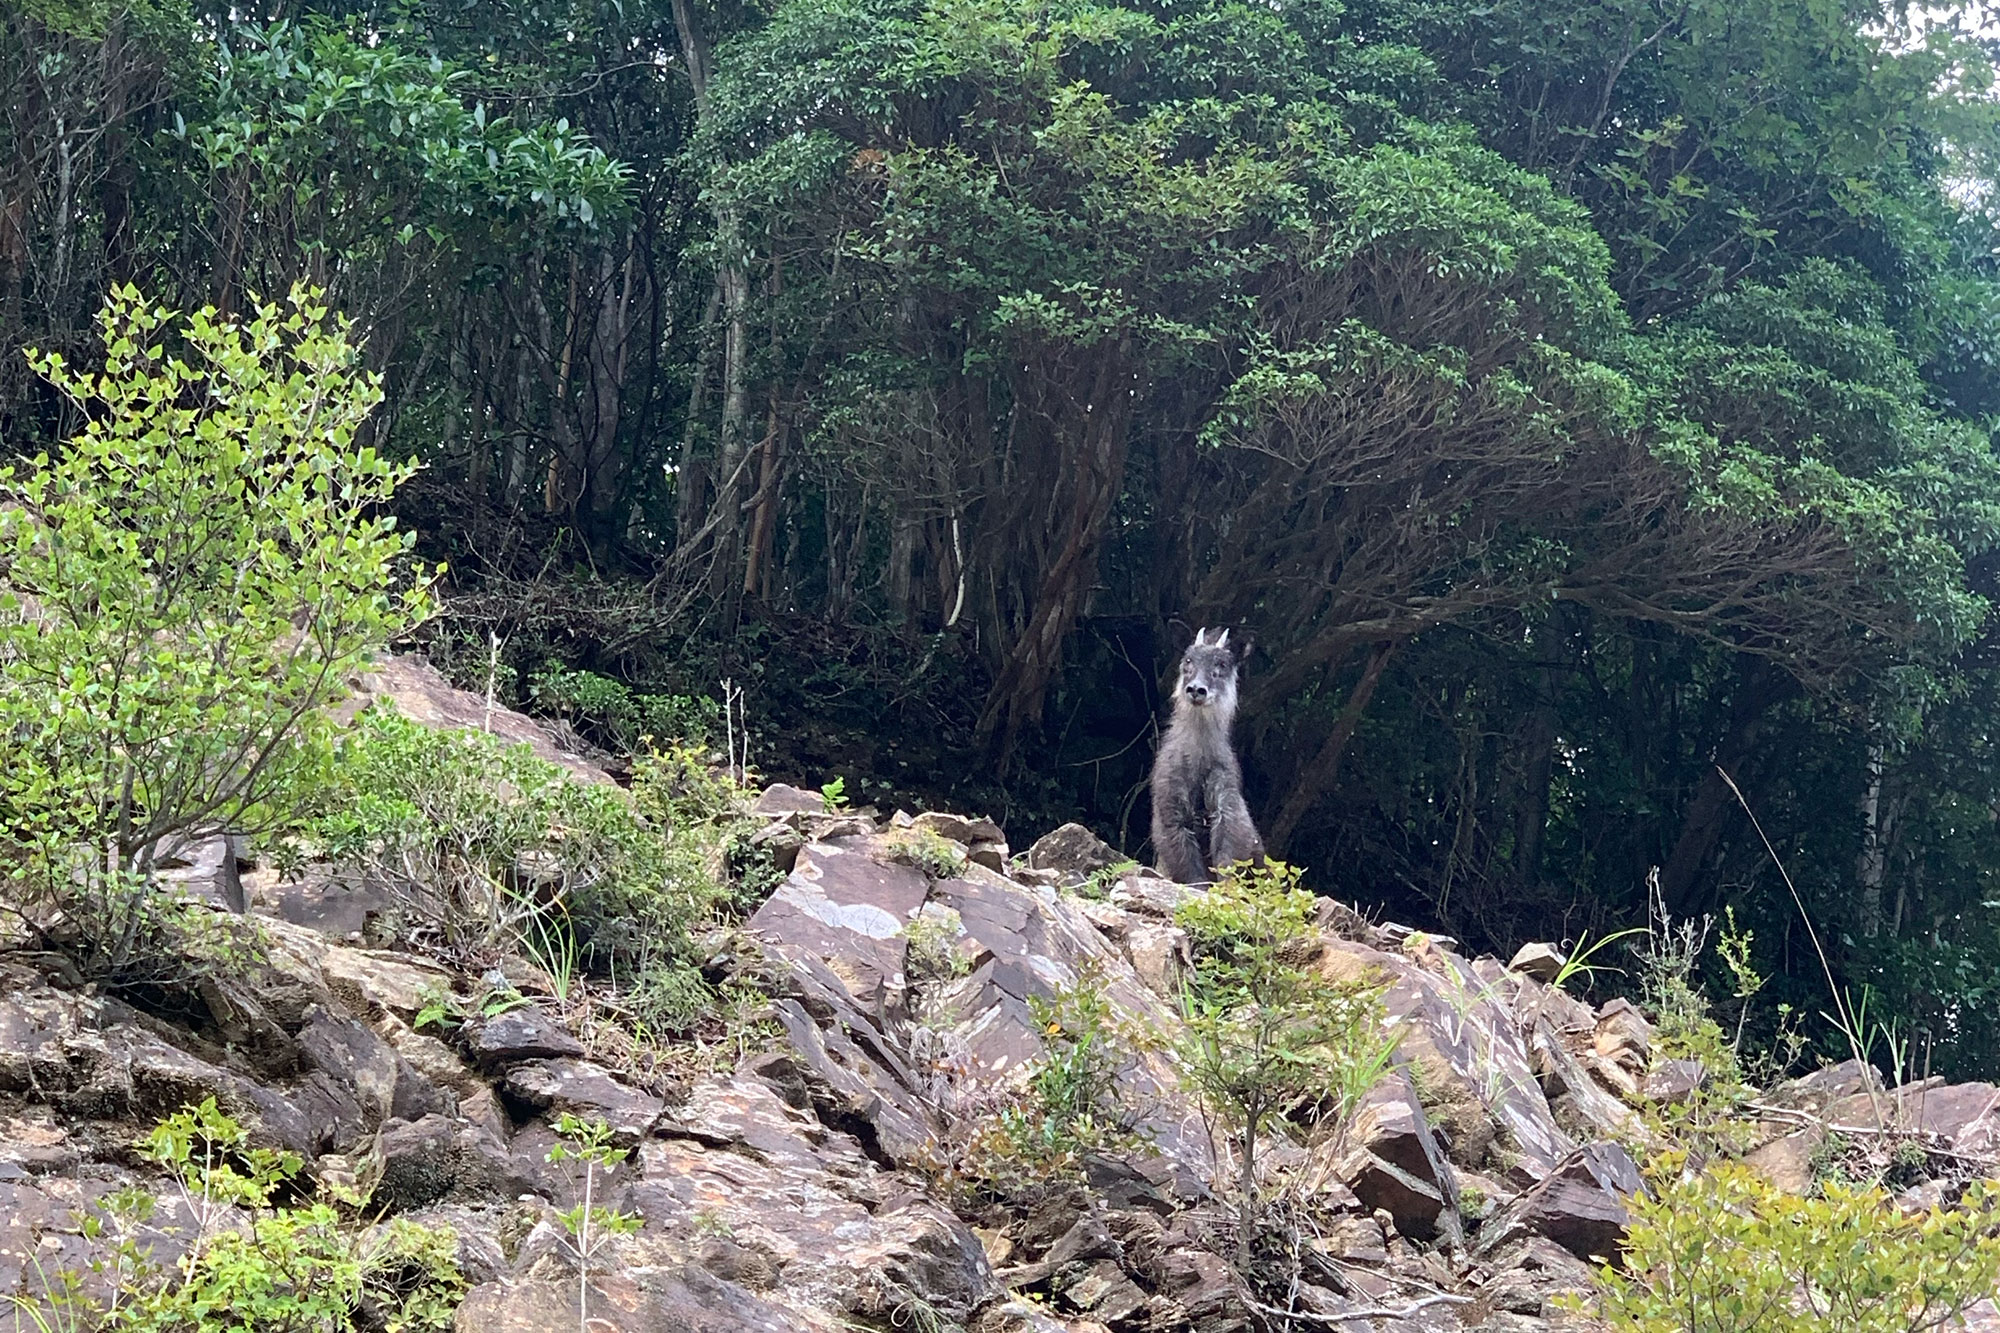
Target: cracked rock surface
[(804, 1185)]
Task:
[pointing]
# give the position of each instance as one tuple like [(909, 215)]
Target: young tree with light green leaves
[(185, 583), (1266, 1033)]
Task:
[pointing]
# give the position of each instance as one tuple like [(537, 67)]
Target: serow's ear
[(1245, 645)]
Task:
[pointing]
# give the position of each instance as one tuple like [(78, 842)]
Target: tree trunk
[(690, 473), (1055, 591), (764, 500), (114, 188), (1531, 820), (1869, 865), (733, 284), (764, 504), (1318, 775), (735, 395), (1759, 686)]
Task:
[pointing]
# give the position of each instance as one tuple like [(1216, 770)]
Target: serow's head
[(1208, 673)]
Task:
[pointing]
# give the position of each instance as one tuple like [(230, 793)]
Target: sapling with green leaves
[(209, 1156), (590, 1227), (1265, 1035), (1578, 963), (185, 582), (256, 1262)]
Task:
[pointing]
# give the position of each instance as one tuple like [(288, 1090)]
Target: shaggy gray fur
[(1200, 823)]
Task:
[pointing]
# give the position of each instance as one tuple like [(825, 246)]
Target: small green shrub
[(670, 995), (1075, 1107), (677, 788), (1263, 1035), (708, 1222), (447, 1010), (485, 839), (1725, 1252), (286, 1268), (184, 583), (591, 1227), (1711, 1118), (934, 954), (1099, 883), (752, 870), (1684, 1026), (620, 718), (933, 853), (1069, 1105)]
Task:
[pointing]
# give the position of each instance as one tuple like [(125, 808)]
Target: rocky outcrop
[(814, 1183), (803, 1189)]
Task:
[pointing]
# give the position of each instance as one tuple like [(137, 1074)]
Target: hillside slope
[(812, 1169)]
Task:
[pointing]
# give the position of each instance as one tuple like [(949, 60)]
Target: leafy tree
[(1723, 1252), (1266, 1034), (187, 581)]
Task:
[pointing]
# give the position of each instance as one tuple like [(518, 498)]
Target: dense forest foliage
[(1586, 404)]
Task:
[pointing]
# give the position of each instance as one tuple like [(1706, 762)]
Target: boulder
[(424, 1162), (848, 1088), (783, 840), (1073, 849), (1089, 1239), (779, 799), (1533, 1278), (206, 869), (829, 1223), (1159, 954), (1390, 1124), (1580, 1206), (1817, 1091), (370, 982), (848, 910), (321, 900), (991, 855), (36, 1146), (1787, 1161), (420, 692), (1353, 1240), (527, 1033), (1623, 1036), (585, 1090), (1033, 941), (124, 1071), (1103, 1291), (966, 832), (476, 1227), (1543, 962), (1964, 1115), (1581, 1104), (289, 982), (1417, 1206), (1464, 1029), (33, 1026), (1673, 1082), (1017, 1317), (365, 1072)]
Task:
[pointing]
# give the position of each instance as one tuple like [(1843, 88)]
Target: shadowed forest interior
[(1578, 400)]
